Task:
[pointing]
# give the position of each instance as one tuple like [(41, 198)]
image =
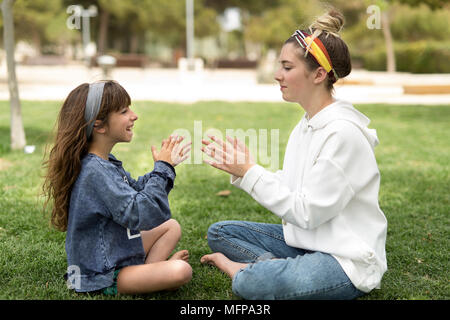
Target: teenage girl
[(119, 231), (331, 242)]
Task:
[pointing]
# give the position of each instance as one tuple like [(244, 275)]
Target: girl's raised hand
[(172, 151)]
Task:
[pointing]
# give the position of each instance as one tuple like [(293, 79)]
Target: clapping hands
[(231, 156), (172, 151)]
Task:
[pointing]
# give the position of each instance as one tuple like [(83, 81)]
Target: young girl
[(331, 243), (119, 231)]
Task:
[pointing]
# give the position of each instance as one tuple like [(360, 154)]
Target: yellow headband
[(317, 49)]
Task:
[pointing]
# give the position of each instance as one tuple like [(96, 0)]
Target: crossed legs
[(263, 266), (159, 271)]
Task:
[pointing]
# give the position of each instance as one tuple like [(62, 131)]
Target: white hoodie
[(327, 192)]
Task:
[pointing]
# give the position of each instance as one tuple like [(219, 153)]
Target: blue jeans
[(276, 270)]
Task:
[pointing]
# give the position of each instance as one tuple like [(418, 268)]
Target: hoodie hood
[(343, 110)]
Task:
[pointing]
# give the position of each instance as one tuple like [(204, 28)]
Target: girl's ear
[(99, 126), (320, 75)]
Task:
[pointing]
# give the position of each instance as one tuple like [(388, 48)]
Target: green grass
[(413, 158)]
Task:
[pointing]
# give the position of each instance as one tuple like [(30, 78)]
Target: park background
[(222, 75)]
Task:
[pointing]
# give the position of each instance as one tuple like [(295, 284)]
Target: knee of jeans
[(213, 234), (251, 285)]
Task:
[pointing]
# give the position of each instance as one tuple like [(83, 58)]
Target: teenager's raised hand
[(231, 156), (172, 151)]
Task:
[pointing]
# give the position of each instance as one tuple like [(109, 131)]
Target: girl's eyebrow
[(285, 61)]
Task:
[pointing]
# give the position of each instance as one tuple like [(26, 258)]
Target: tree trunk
[(36, 39), (134, 42), (17, 132), (103, 33), (390, 54)]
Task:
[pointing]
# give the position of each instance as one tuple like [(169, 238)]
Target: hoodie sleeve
[(136, 210), (237, 181), (327, 187)]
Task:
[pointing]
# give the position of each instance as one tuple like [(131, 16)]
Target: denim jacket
[(107, 210)]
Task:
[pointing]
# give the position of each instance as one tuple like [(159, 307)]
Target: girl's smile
[(120, 125)]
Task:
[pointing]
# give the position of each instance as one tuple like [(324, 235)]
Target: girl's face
[(293, 76), (120, 125)]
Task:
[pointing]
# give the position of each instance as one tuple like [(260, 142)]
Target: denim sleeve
[(139, 184), (136, 210)]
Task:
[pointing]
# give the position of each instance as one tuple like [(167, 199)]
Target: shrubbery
[(415, 57)]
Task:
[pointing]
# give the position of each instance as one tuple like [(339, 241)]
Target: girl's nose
[(134, 116)]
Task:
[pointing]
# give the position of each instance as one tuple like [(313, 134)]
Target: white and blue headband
[(93, 103)]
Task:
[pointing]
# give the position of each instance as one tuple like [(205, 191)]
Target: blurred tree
[(250, 14), (98, 25), (32, 18), (131, 19), (41, 23), (254, 7), (432, 4), (407, 20), (385, 20), (386, 28), (351, 9), (428, 24), (270, 29), (18, 140), (270, 21), (126, 25), (386, 24)]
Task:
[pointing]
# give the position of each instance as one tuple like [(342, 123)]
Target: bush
[(415, 57), (419, 23)]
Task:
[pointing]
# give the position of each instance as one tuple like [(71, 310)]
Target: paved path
[(55, 83)]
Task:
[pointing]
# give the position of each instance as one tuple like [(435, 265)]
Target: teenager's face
[(293, 77), (120, 125)]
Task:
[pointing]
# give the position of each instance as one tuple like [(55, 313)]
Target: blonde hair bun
[(328, 23)]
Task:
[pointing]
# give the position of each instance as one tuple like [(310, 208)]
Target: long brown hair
[(327, 28), (71, 145)]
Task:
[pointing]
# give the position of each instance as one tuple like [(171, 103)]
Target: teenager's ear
[(320, 75), (99, 126)]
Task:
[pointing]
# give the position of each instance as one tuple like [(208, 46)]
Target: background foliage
[(420, 28)]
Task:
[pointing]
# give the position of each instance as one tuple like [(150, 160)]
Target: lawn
[(413, 158)]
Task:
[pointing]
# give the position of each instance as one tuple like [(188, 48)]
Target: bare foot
[(220, 261), (180, 255)]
